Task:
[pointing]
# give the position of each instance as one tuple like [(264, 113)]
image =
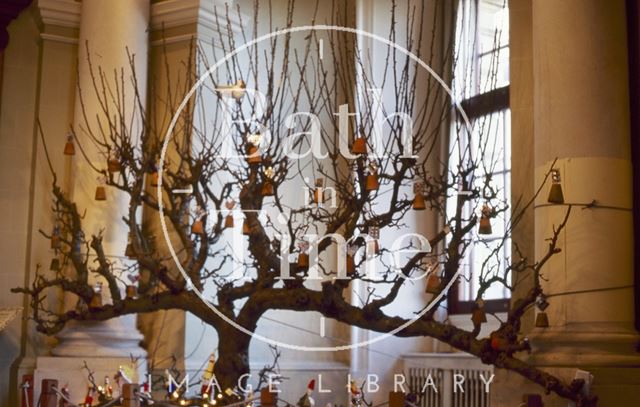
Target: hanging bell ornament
[(485, 221), (154, 177), (350, 259), (246, 230), (303, 256), (228, 220), (197, 228), (96, 299), (55, 264), (101, 193), (55, 238), (253, 152), (418, 199), (372, 183), (69, 147), (479, 315), (318, 191), (114, 165), (433, 284), (130, 251), (359, 146), (267, 186), (542, 320), (131, 292), (555, 193)]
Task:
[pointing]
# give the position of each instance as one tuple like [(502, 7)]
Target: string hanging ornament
[(253, 152), (434, 282), (303, 255), (485, 221), (228, 220), (359, 146), (371, 182), (101, 192), (555, 193), (479, 315), (318, 191), (418, 198), (542, 319), (69, 147)]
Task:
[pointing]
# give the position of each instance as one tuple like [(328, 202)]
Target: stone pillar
[(109, 33), (581, 117)]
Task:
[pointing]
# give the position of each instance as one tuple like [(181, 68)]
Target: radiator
[(445, 370)]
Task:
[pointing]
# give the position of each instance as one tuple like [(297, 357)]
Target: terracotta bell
[(351, 265), (131, 292), (542, 320), (555, 193), (130, 251), (96, 301), (478, 316), (433, 284), (372, 183), (228, 221), (485, 222), (418, 202), (303, 261), (55, 264), (197, 227), (101, 193), (253, 155), (114, 165), (69, 147), (55, 238), (246, 230), (267, 188), (359, 146)]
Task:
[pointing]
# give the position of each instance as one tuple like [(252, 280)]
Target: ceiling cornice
[(164, 14)]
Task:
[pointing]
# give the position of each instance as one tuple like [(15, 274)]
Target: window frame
[(475, 107)]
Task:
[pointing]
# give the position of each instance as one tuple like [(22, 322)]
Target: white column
[(109, 31), (581, 117)]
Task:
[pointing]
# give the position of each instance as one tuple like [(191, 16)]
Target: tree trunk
[(233, 359)]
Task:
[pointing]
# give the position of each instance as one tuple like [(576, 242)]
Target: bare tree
[(372, 193)]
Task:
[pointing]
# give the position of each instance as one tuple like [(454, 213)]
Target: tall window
[(481, 85)]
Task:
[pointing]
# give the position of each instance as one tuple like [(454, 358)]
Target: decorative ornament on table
[(418, 198), (359, 146), (69, 147), (434, 283), (372, 183), (96, 298), (373, 245), (253, 149), (485, 221), (207, 374), (88, 400), (228, 220), (479, 315), (542, 320), (318, 191), (555, 193), (267, 185), (306, 400), (303, 255), (101, 192)]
